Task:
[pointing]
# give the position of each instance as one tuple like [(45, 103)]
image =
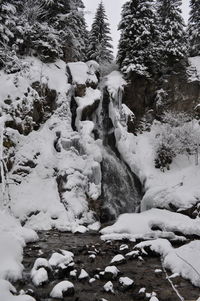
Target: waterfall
[(121, 190)]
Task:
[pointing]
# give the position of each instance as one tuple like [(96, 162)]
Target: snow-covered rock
[(118, 259), (111, 272), (41, 262), (83, 275), (57, 258), (108, 287), (123, 247), (126, 282), (64, 288), (39, 277)]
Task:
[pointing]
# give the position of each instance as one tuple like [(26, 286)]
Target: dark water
[(142, 272)]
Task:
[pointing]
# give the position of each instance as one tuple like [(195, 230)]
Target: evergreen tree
[(173, 36), (7, 28), (194, 28), (100, 48), (137, 50)]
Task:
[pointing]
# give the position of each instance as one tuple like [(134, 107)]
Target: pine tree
[(173, 36), (137, 50), (100, 48), (194, 28), (7, 28)]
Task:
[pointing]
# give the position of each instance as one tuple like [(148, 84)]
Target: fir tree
[(173, 36), (100, 48), (194, 28), (137, 50), (7, 29)]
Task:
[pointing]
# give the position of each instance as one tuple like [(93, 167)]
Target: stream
[(141, 270)]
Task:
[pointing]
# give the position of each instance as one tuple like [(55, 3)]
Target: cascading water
[(121, 189)]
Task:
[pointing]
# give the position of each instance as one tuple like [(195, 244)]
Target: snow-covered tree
[(100, 48), (173, 35), (7, 28), (137, 51), (178, 134), (194, 28)]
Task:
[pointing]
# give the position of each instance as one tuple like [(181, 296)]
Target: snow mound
[(139, 225), (183, 260)]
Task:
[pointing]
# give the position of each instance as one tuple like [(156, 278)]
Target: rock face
[(176, 90)]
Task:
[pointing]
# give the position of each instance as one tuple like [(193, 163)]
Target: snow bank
[(7, 290), (13, 237), (183, 261), (139, 225)]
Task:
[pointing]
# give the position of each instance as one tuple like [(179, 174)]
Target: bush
[(178, 134)]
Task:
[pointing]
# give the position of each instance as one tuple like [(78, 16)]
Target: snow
[(195, 63), (126, 281), (80, 229), (82, 73), (39, 276), (95, 226), (108, 287), (91, 96), (154, 298), (118, 258), (41, 262), (6, 290), (183, 260), (13, 237), (139, 225), (61, 288), (57, 258), (114, 83), (112, 269), (83, 274)]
